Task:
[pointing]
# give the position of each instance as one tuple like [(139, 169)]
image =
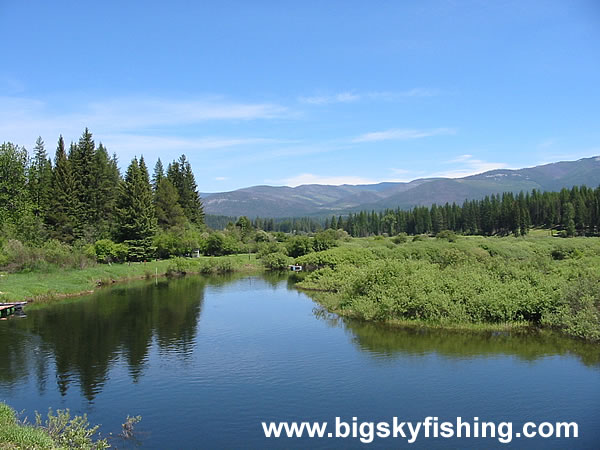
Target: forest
[(81, 199), (574, 211), (78, 207)]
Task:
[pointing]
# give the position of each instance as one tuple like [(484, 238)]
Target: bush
[(108, 251), (299, 246), (266, 248), (70, 432), (219, 244), (224, 266), (448, 235), (179, 266), (578, 309), (16, 256), (215, 244), (277, 261), (262, 236), (59, 430), (400, 239), (324, 240), (178, 241), (337, 256)]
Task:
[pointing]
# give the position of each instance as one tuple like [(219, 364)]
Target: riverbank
[(39, 286), (58, 431), (488, 283)]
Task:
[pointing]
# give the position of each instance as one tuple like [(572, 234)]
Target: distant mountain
[(317, 199)]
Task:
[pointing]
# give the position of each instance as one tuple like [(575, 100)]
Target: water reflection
[(77, 342), (85, 337), (385, 341)]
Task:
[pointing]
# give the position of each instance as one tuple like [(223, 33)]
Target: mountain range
[(320, 200)]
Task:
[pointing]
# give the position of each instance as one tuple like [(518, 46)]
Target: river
[(205, 360)]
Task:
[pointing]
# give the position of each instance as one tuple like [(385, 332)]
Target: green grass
[(17, 436), (39, 286)]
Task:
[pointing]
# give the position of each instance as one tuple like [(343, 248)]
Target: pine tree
[(62, 216), (181, 175), (40, 180), (105, 186), (82, 159), (334, 223), (568, 217), (169, 212), (159, 174), (14, 199), (136, 215)]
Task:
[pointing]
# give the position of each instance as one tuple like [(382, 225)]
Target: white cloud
[(140, 144), (221, 178), (23, 119), (469, 166), (402, 134), (343, 97), (348, 97), (461, 158), (390, 96)]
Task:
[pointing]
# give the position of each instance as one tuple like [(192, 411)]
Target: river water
[(205, 360)]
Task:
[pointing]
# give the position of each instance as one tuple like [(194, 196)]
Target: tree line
[(81, 196), (574, 211)]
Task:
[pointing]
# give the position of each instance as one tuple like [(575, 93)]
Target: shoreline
[(44, 287)]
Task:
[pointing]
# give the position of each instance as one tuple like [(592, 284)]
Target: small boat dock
[(6, 309)]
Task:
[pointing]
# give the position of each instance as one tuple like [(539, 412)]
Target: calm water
[(204, 361)]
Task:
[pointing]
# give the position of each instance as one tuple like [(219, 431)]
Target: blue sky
[(287, 93)]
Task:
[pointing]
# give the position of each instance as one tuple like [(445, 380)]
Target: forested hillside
[(319, 200)]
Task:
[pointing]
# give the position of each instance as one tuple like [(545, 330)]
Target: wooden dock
[(7, 309)]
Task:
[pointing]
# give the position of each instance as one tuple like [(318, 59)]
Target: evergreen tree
[(14, 200), (569, 219), (40, 180), (181, 175), (169, 212), (136, 214), (159, 174), (106, 178), (63, 213)]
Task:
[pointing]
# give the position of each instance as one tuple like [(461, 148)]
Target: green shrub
[(336, 256), (179, 266), (108, 251), (16, 256), (266, 248), (447, 235), (324, 240), (400, 239), (299, 246), (58, 430), (70, 432), (215, 245), (577, 310), (224, 266), (276, 261)]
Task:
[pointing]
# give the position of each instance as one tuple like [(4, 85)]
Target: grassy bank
[(463, 282), (58, 431), (58, 283)]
